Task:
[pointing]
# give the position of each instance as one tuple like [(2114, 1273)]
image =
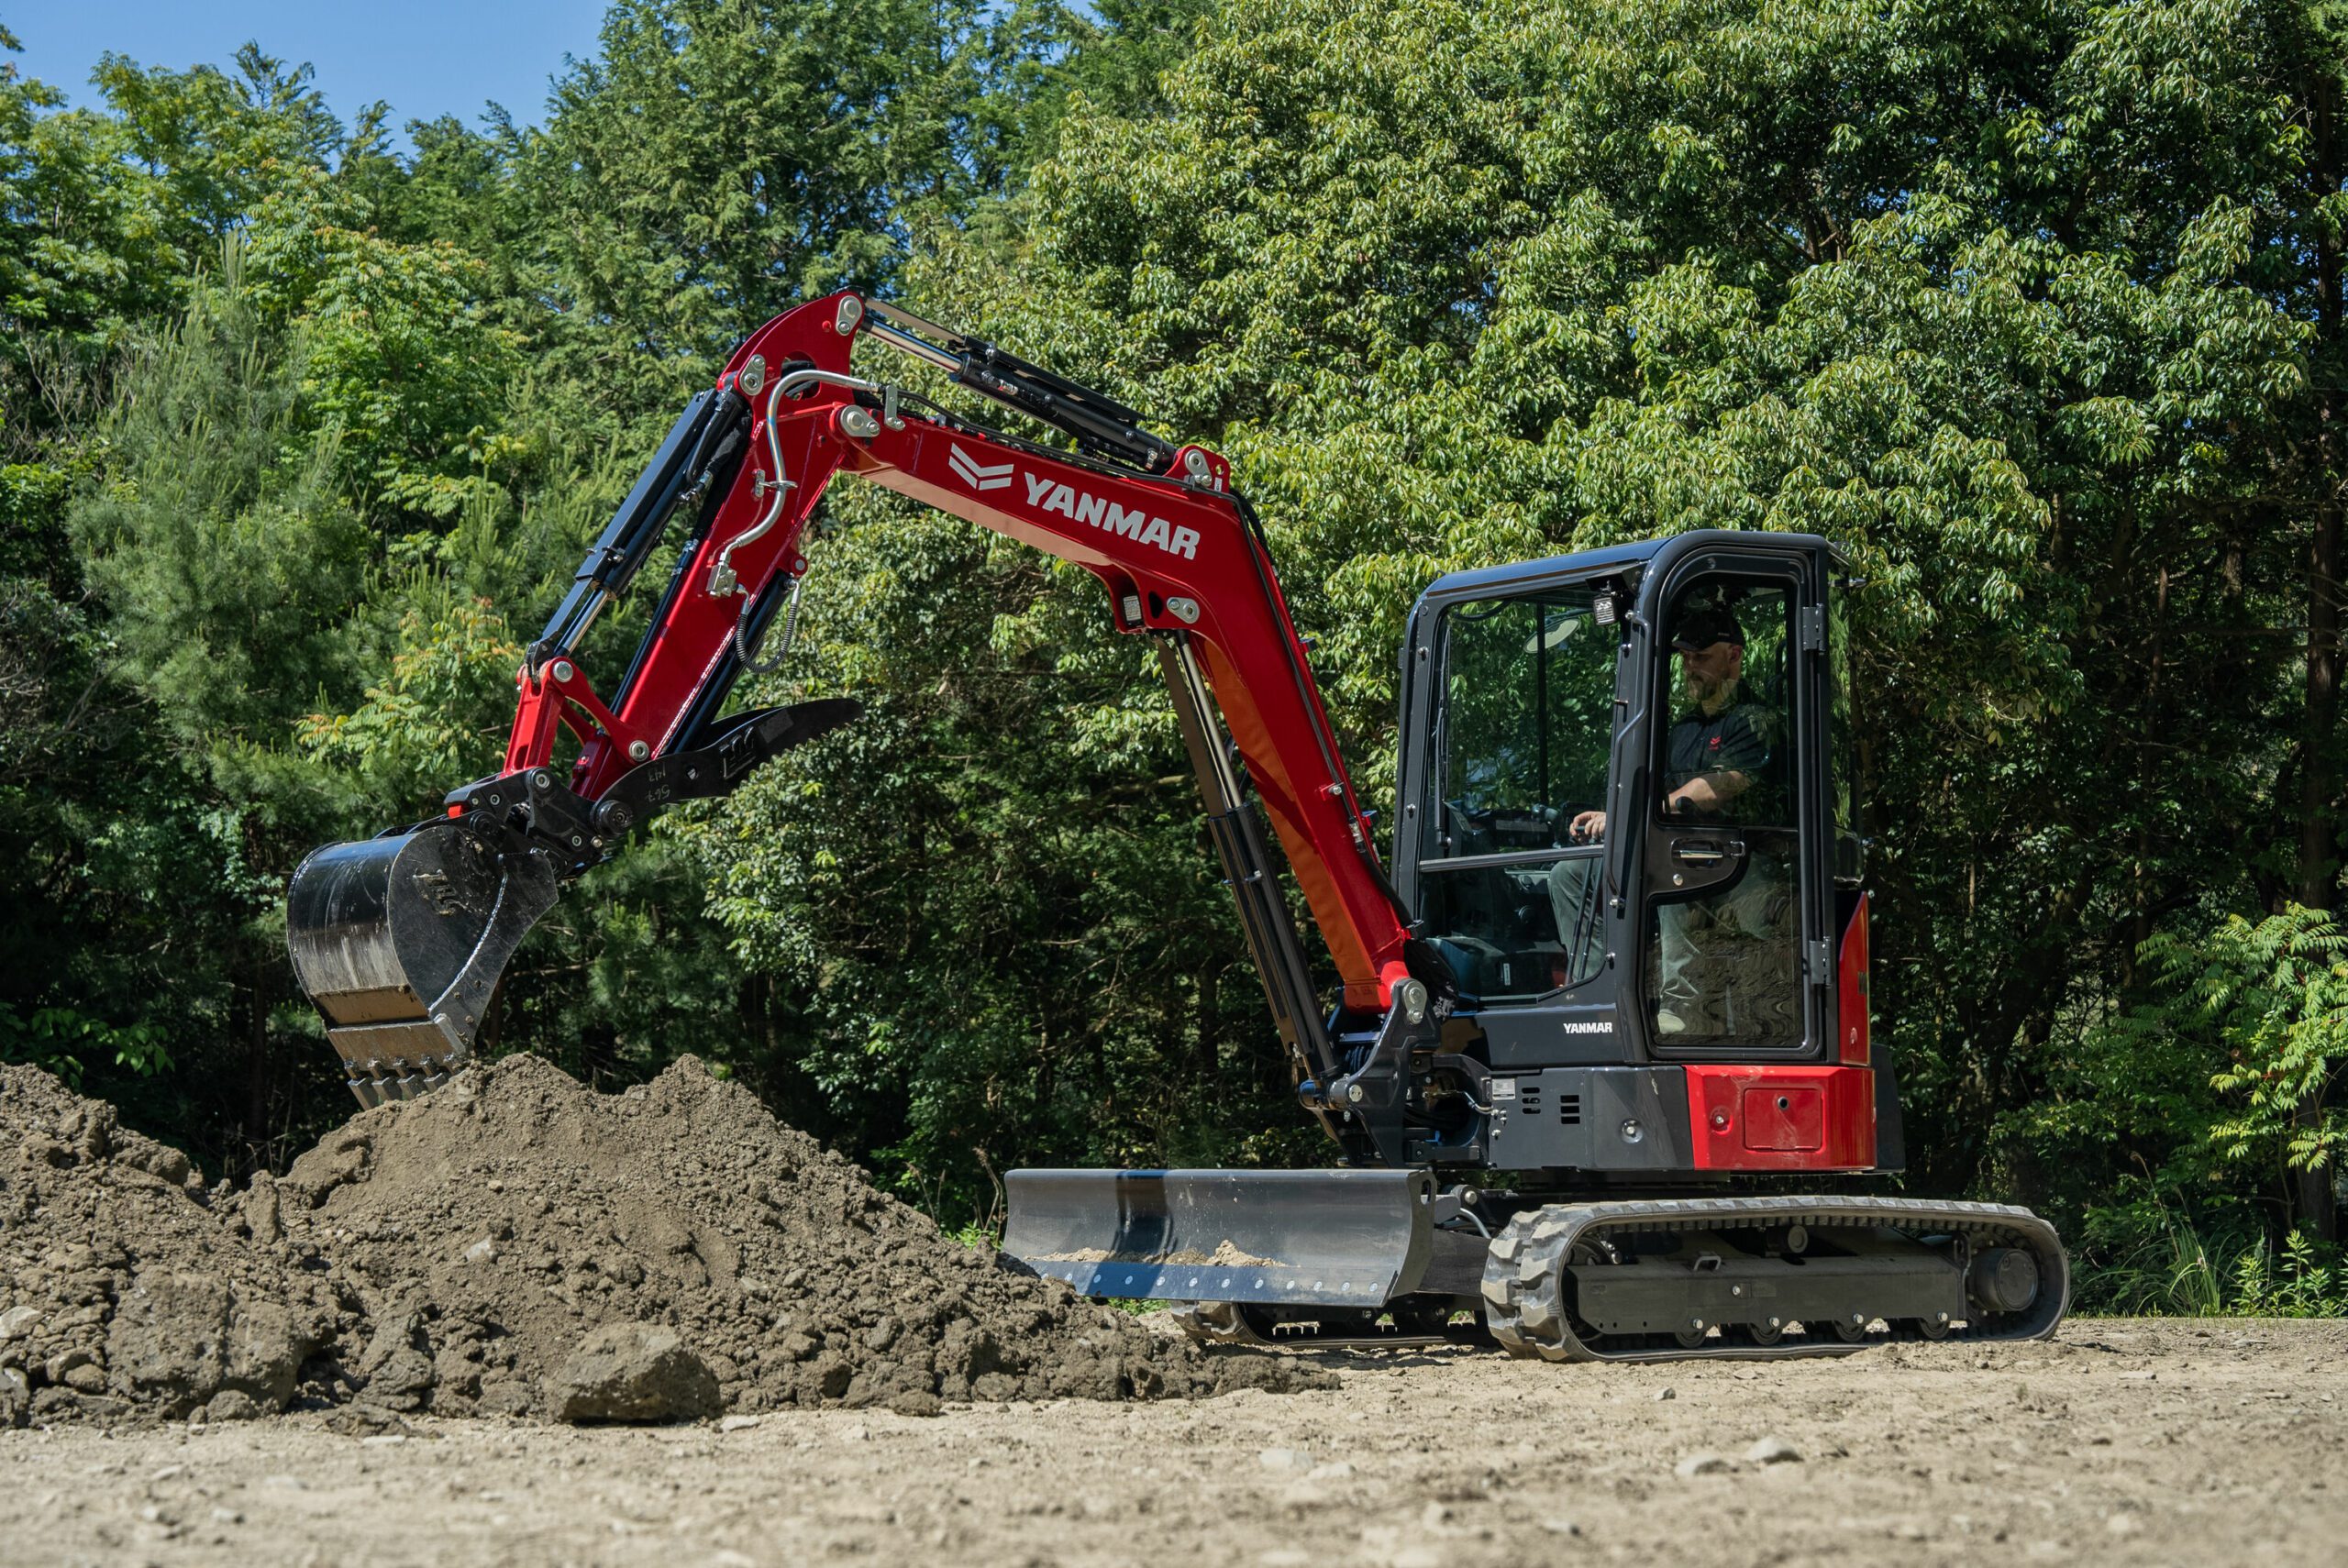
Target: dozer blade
[(1324, 1238), (400, 941)]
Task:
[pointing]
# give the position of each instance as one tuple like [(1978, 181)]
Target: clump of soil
[(122, 1289), (455, 1253)]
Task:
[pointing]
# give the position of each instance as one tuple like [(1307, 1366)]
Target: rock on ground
[(634, 1372)]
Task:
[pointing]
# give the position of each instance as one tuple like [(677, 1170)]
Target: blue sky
[(426, 58)]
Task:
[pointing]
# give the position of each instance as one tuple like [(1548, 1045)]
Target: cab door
[(1736, 852)]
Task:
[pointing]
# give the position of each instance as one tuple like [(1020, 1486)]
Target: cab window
[(1527, 723)]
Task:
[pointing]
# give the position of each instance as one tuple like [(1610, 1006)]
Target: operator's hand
[(1590, 826)]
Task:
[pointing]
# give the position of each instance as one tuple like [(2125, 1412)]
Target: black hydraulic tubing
[(1092, 419), (724, 466), (701, 716), (1096, 420), (1264, 916), (694, 445), (1090, 461)]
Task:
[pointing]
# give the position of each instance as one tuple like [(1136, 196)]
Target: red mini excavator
[(1610, 1001)]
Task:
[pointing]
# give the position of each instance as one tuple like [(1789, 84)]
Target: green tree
[(2015, 304), (720, 159), (223, 574)]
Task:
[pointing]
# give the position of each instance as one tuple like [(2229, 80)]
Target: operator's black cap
[(1702, 628)]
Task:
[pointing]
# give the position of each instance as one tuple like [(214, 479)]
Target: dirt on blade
[(459, 1254)]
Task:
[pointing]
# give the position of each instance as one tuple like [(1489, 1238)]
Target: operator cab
[(1628, 820)]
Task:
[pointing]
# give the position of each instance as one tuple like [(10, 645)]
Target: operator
[(1718, 749)]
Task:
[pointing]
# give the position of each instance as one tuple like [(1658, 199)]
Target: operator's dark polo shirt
[(1731, 740)]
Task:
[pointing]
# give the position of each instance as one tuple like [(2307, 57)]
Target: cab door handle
[(1698, 854)]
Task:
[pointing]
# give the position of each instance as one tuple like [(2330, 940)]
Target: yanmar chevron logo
[(1047, 494), (978, 476)]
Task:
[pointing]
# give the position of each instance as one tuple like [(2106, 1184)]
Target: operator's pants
[(1725, 963)]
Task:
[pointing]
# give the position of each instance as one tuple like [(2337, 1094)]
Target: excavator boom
[(400, 940)]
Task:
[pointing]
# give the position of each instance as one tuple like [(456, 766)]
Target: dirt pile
[(459, 1254), (123, 1288), (487, 1229)]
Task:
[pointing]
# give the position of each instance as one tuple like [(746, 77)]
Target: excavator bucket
[(400, 941), (1322, 1238)]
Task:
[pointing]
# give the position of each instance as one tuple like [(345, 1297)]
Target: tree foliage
[(2035, 310)]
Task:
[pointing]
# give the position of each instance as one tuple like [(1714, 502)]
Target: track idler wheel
[(400, 941)]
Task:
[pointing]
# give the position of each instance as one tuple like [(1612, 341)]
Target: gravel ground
[(2120, 1442)]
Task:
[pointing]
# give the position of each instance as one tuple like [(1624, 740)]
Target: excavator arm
[(400, 940)]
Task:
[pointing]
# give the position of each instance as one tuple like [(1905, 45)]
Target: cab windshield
[(1527, 725)]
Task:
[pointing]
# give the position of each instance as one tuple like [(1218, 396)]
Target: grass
[(2180, 1271)]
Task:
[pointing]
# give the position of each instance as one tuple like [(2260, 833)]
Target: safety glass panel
[(1528, 716), (1527, 729), (1842, 730), (1728, 753), (1842, 745), (1723, 968), (1517, 930)]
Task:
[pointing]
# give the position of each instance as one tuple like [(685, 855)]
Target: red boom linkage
[(1174, 553), (401, 939)]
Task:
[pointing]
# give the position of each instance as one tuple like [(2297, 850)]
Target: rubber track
[(1524, 1277)]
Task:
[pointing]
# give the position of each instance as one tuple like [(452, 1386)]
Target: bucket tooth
[(400, 941)]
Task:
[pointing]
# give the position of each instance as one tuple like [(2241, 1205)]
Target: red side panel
[(1850, 991), (1763, 1118)]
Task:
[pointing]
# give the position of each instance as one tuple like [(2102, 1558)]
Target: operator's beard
[(1709, 693)]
